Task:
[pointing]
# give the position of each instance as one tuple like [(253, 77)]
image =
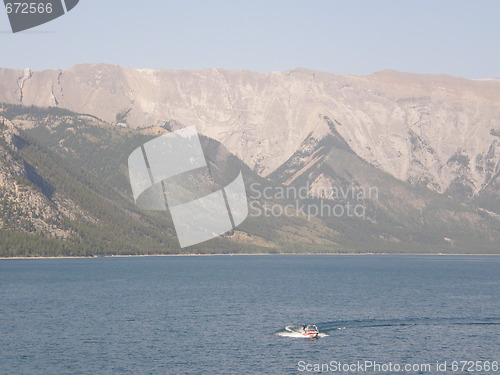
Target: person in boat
[(304, 326)]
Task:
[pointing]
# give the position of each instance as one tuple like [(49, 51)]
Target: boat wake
[(328, 328)]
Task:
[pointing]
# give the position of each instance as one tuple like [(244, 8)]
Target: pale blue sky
[(346, 37)]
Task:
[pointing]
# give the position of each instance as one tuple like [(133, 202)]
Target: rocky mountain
[(436, 131), (49, 206), (64, 190), (417, 155)]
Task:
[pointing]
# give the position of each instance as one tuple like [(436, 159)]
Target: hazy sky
[(339, 36)]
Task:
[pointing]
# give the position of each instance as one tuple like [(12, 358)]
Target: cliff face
[(438, 131)]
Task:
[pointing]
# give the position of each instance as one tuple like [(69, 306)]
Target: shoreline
[(234, 254)]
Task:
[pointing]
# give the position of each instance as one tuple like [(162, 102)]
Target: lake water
[(223, 314)]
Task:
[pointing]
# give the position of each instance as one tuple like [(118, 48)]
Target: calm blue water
[(221, 314)]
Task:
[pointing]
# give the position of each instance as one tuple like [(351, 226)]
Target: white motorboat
[(309, 331)]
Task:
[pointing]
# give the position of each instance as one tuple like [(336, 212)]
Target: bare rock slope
[(437, 131)]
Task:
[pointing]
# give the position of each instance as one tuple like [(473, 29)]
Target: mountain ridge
[(299, 128), (70, 195), (418, 128)]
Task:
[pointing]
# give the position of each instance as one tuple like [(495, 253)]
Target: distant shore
[(233, 254)]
